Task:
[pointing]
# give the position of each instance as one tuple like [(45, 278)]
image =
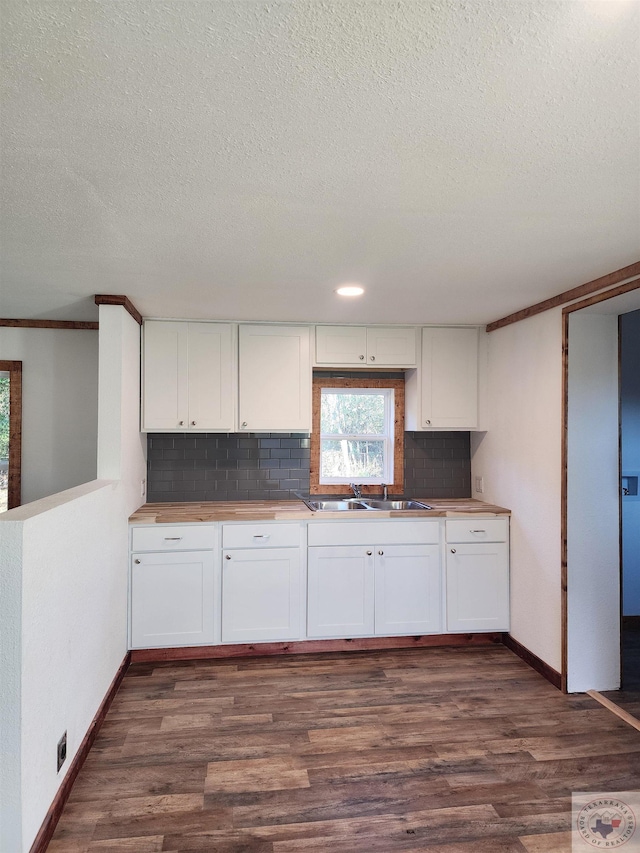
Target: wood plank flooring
[(629, 697), (456, 750)]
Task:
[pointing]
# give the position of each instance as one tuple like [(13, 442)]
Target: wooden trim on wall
[(552, 676), (632, 271), (52, 817), (603, 297), (319, 382), (304, 647), (114, 299), (49, 324), (14, 492)]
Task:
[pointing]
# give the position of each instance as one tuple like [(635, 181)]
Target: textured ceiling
[(238, 160)]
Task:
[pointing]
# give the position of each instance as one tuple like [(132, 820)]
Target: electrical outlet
[(479, 482), (143, 488), (62, 751)]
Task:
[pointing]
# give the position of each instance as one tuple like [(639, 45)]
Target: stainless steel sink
[(347, 504), (334, 505), (390, 504)]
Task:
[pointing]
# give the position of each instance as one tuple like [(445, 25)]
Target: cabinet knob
[(227, 556), (193, 423), (427, 422), (453, 550), (181, 423), (373, 358), (381, 553), (137, 562), (369, 553), (361, 358), (244, 423)]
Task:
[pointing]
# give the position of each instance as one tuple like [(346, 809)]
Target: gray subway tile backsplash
[(272, 466)]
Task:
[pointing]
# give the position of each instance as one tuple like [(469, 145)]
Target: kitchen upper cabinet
[(357, 346), (477, 575), (189, 377), (275, 378), (443, 392)]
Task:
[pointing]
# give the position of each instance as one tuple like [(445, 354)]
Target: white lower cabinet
[(172, 599), (261, 584), (341, 591), (358, 589), (477, 575), (408, 591)]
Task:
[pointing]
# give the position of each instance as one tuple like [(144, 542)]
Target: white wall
[(630, 414), (519, 458), (593, 517), (59, 407), (63, 611)]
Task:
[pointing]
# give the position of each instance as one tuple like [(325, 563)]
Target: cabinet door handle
[(172, 538), (361, 358), (137, 562), (381, 553), (453, 550), (244, 423), (227, 556), (427, 422), (369, 553), (262, 536), (193, 423), (373, 358), (181, 423), (477, 531)]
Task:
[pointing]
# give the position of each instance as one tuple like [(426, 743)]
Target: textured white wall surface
[(519, 458), (240, 159), (593, 494), (63, 610), (59, 406), (630, 413)]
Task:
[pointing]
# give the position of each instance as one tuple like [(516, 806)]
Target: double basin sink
[(348, 504)]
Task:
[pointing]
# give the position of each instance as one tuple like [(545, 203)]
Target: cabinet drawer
[(269, 535), (173, 538), (478, 530), (380, 532)]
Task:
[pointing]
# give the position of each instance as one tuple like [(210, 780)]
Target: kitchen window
[(358, 434)]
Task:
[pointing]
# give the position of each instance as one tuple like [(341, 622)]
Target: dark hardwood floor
[(629, 697), (463, 750)]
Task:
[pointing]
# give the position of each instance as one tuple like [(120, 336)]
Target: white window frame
[(387, 437)]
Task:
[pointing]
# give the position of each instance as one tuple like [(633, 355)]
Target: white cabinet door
[(391, 347), (341, 345), (449, 378), (408, 591), (165, 402), (260, 595), (340, 591), (212, 379), (172, 599), (189, 376), (477, 586), (275, 378)]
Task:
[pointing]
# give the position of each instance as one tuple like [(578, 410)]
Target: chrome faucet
[(356, 489), (385, 494)]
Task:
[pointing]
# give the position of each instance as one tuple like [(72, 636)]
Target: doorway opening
[(592, 490)]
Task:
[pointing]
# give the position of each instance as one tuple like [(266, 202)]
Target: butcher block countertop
[(295, 510)]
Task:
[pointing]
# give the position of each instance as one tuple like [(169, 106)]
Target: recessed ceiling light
[(350, 290)]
